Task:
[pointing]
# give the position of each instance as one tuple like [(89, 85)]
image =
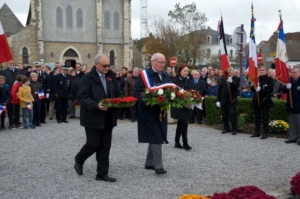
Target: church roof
[(10, 22)]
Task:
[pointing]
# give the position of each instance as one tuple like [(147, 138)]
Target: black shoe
[(234, 132), (59, 121), (78, 168), (38, 124), (225, 131), (50, 118), (255, 135), (291, 141), (65, 121), (186, 146), (43, 122), (178, 145), (150, 167), (264, 136), (105, 178), (160, 171)]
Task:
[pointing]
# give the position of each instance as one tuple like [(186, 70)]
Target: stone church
[(73, 31)]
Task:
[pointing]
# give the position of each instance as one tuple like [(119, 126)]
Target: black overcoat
[(295, 97), (90, 93), (10, 76), (150, 129), (266, 84), (62, 85), (182, 113), (223, 91)]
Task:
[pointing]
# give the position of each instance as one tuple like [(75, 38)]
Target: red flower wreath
[(160, 98)]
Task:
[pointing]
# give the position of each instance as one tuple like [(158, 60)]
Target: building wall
[(119, 54)]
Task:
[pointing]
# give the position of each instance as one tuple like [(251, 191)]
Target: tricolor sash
[(146, 78)]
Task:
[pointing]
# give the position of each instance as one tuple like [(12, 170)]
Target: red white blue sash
[(146, 78)]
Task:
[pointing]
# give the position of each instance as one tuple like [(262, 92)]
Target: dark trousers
[(229, 110), (3, 118), (61, 109), (198, 113), (13, 114), (98, 141), (265, 117), (43, 110), (36, 112), (181, 130), (133, 111)]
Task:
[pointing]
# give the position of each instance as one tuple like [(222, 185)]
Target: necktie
[(159, 75), (103, 82), (195, 81)]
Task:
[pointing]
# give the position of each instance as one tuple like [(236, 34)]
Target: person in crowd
[(47, 69), (62, 89), (129, 91), (26, 102), (220, 75), (14, 111), (74, 89), (213, 89), (88, 69), (227, 100), (199, 86), (98, 120), (171, 72), (28, 70), (4, 98), (209, 69), (43, 79), (36, 87), (22, 69), (217, 71), (293, 106), (204, 75), (182, 114), (10, 73), (51, 97), (262, 102), (150, 129), (79, 73), (121, 86), (276, 93)]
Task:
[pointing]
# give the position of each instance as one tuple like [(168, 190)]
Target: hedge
[(213, 113)]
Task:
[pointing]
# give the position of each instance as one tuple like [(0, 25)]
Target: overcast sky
[(235, 13)]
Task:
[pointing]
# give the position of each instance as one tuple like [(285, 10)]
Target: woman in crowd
[(74, 88), (182, 114)]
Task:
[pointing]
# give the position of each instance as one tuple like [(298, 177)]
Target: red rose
[(160, 98), (178, 93), (108, 79)]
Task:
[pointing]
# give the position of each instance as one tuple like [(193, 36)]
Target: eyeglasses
[(160, 62), (105, 66)]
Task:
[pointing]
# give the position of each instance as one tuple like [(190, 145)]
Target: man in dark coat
[(79, 73), (97, 119), (62, 89), (262, 102), (44, 80), (293, 111), (227, 100), (10, 73), (129, 91), (150, 129)]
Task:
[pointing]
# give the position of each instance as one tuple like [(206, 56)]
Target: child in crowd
[(26, 100), (4, 100), (213, 89), (14, 107), (36, 87)]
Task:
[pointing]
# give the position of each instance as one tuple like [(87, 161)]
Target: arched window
[(79, 18), (208, 53), (106, 20), (208, 39), (116, 21), (70, 53), (25, 55), (230, 40), (112, 57), (59, 22), (69, 17)]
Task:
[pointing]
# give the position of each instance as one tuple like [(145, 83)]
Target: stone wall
[(119, 54)]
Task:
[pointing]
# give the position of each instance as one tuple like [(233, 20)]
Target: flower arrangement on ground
[(295, 184), (278, 126), (119, 102), (193, 196)]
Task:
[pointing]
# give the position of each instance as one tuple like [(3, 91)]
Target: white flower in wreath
[(181, 91), (173, 95), (147, 91), (160, 91)]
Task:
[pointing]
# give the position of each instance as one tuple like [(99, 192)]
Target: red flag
[(281, 69), (5, 53), (224, 58), (252, 60)]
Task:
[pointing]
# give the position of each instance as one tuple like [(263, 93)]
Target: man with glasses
[(262, 102), (150, 129), (97, 119)]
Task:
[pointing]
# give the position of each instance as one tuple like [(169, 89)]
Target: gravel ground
[(38, 163)]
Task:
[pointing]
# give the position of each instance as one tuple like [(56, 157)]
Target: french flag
[(252, 60), (41, 94), (225, 64), (281, 69), (5, 53)]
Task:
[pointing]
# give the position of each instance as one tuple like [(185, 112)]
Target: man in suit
[(150, 129), (97, 119), (62, 90), (227, 100), (129, 91), (199, 86), (262, 102), (79, 73), (44, 80)]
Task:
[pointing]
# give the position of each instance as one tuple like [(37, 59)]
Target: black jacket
[(223, 95), (200, 86), (36, 87), (266, 84), (295, 97), (74, 86), (51, 78), (62, 85), (186, 84), (10, 76), (44, 80), (90, 93)]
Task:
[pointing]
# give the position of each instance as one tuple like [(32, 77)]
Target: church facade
[(73, 31)]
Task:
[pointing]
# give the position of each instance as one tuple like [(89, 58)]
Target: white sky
[(235, 13)]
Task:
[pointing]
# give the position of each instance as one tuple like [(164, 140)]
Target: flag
[(5, 53), (252, 59), (281, 69), (224, 58)]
